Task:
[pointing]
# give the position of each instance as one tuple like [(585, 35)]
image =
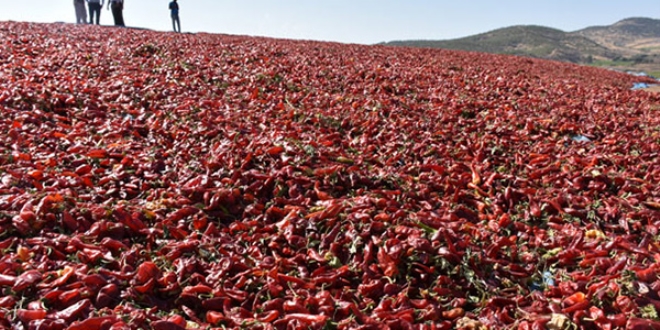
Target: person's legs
[(90, 7), (115, 17), (78, 16), (83, 14), (176, 23), (94, 11), (118, 16), (80, 12), (98, 13)]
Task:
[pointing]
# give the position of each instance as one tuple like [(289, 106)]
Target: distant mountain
[(632, 43), (636, 35)]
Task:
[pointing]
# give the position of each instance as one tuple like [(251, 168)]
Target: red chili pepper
[(146, 271), (273, 304), (525, 325), (26, 280), (576, 307), (67, 298), (292, 279), (499, 302), (178, 319), (540, 324), (66, 274), (166, 325), (104, 300), (268, 316), (197, 289), (214, 317), (575, 298), (216, 304), (181, 214), (305, 319), (147, 287), (295, 306), (648, 275), (26, 316), (129, 220), (76, 244), (7, 302), (113, 244), (534, 208), (622, 243), (7, 280), (642, 324), (453, 313), (72, 312), (94, 323), (237, 295)]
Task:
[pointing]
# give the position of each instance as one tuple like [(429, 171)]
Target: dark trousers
[(176, 23), (118, 15), (94, 11)]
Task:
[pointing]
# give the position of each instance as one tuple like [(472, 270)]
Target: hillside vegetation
[(631, 44), (634, 35)]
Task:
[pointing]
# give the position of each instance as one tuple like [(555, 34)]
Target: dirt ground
[(655, 89)]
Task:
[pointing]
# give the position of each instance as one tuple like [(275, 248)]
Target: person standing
[(117, 11), (174, 11), (94, 10), (81, 11)]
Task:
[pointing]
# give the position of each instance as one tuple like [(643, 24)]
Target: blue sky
[(352, 21)]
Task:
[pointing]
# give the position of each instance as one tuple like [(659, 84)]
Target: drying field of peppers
[(165, 181)]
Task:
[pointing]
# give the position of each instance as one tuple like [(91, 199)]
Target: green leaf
[(649, 312), (428, 229)]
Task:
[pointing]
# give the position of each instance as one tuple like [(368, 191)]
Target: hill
[(632, 44), (634, 35), (536, 41)]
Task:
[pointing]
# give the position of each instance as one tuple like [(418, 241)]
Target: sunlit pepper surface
[(192, 181)]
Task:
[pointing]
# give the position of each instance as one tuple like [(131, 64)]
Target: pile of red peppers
[(162, 181)]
